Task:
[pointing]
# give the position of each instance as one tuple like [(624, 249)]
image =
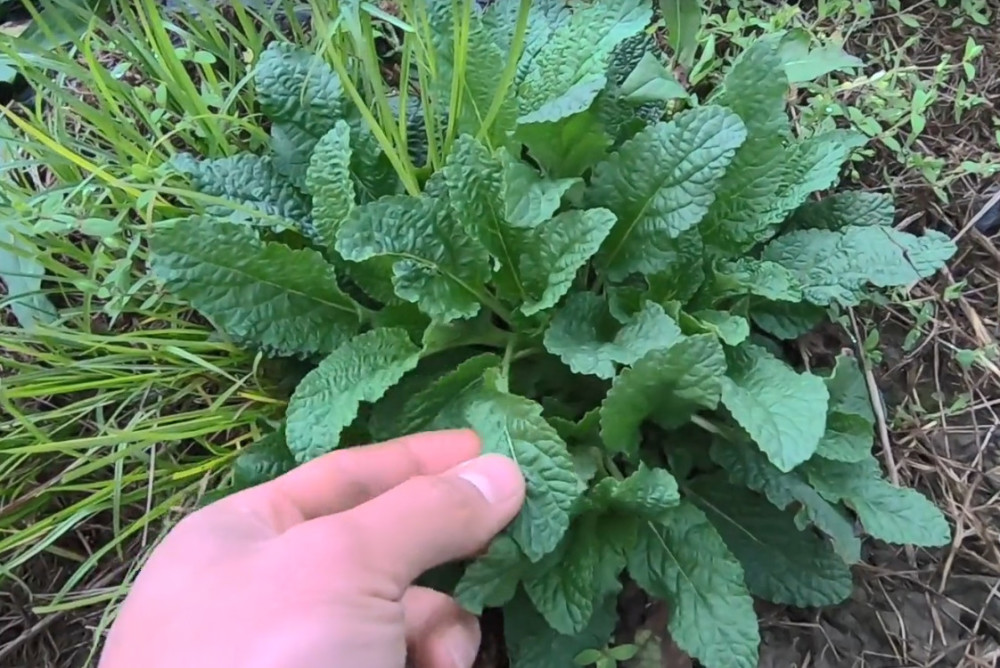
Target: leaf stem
[(612, 468)]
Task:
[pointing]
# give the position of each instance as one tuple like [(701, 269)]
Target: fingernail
[(462, 646), (496, 477)]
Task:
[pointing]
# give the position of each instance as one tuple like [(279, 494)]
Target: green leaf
[(854, 207), (263, 461), (647, 493), (683, 560), (660, 184), (802, 64), (569, 146), (650, 81), (746, 466), (513, 426), (835, 266), (683, 19), (585, 336), (731, 329), (426, 406), (781, 564), (485, 65), (766, 182), (749, 276), (850, 422), (22, 273), (282, 299), (532, 643), (251, 183), (672, 384), (327, 399), (556, 250), (755, 88), (491, 580), (582, 573), (388, 415), (887, 512), (438, 263), (530, 199), (544, 17), (783, 411), (536, 266), (303, 97), (684, 268), (328, 180), (787, 320), (571, 68)]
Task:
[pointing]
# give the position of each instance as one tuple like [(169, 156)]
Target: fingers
[(345, 478), (439, 633), (424, 522)]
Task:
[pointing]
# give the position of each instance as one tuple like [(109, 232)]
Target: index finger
[(346, 478)]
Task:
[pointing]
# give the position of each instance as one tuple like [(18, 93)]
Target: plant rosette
[(595, 273)]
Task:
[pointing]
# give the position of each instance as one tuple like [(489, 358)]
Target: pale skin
[(316, 568)]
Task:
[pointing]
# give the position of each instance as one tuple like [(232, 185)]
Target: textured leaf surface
[(544, 17), (683, 268), (570, 146), (251, 183), (513, 426), (660, 184), (746, 466), (492, 579), (532, 643), (780, 563), (327, 399), (855, 207), (834, 266), (531, 199), (766, 182), (438, 265), (570, 69), (647, 493), (749, 276), (787, 320), (887, 512), (556, 250), (426, 406), (683, 560), (650, 81), (486, 63), (536, 266), (755, 87), (671, 384), (782, 410), (329, 182), (731, 329), (303, 97), (285, 300), (263, 461), (585, 336), (583, 573), (850, 424)]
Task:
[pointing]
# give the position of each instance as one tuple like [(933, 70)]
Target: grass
[(121, 416)]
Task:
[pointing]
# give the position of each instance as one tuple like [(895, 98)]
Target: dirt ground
[(930, 608), (911, 608)]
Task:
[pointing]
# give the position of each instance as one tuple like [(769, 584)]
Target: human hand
[(315, 568)]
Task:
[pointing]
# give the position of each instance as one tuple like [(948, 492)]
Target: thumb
[(431, 520)]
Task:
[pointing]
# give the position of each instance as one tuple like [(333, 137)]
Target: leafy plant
[(598, 285)]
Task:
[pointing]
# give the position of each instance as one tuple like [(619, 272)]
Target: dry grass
[(941, 426)]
